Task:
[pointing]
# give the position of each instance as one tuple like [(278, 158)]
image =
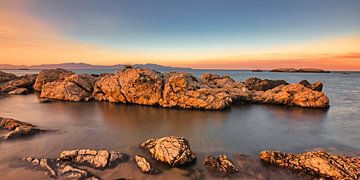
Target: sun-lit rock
[(50, 75)]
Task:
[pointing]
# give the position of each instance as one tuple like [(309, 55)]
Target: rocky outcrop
[(6, 76), (220, 165), (98, 159), (17, 128), (57, 169), (77, 87), (317, 86), (301, 70), (50, 75), (69, 162), (317, 163), (257, 84), (175, 151), (144, 165), (19, 84), (185, 91), (292, 94)]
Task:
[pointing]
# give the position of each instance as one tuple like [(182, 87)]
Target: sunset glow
[(32, 33)]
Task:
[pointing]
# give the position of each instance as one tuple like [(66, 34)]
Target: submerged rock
[(99, 159), (172, 150), (50, 75), (19, 84), (76, 87), (6, 76), (220, 165), (257, 84), (317, 163), (56, 168), (17, 128), (144, 165)]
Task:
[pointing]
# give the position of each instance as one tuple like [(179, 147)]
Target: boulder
[(6, 76), (141, 86), (292, 94), (17, 128), (25, 81), (144, 165), (99, 159), (257, 84), (214, 80), (50, 75), (185, 91), (220, 165), (107, 88), (317, 86), (77, 87), (175, 151), (316, 163)]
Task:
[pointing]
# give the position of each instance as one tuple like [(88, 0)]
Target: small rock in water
[(45, 100), (144, 165), (172, 150), (316, 163), (220, 165), (18, 128)]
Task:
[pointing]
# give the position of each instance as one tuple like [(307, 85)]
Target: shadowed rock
[(19, 84), (220, 165), (6, 76), (317, 86), (144, 165), (257, 84), (317, 163), (76, 87), (50, 75), (172, 150), (17, 128)]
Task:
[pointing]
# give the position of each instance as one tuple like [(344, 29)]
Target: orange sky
[(25, 40)]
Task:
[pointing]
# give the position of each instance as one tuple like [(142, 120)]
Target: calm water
[(245, 129)]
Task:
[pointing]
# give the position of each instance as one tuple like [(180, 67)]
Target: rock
[(144, 165), (56, 168), (140, 86), (108, 88), (257, 84), (221, 165), (6, 76), (257, 70), (76, 87), (25, 81), (17, 128), (217, 80), (284, 70), (316, 163), (45, 100), (317, 86), (292, 94), (312, 70), (19, 91), (183, 90), (172, 150), (99, 159), (50, 75)]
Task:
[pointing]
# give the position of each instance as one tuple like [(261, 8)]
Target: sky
[(224, 34)]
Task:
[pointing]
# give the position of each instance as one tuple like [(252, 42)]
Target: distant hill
[(86, 66)]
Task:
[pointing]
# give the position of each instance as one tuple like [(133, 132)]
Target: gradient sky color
[(236, 34)]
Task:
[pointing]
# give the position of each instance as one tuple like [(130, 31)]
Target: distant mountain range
[(86, 66)]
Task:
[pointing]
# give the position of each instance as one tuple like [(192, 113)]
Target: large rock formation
[(172, 150), (17, 128), (317, 163), (292, 94), (220, 165), (76, 87), (50, 75), (19, 84), (183, 90), (6, 76), (257, 84)]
